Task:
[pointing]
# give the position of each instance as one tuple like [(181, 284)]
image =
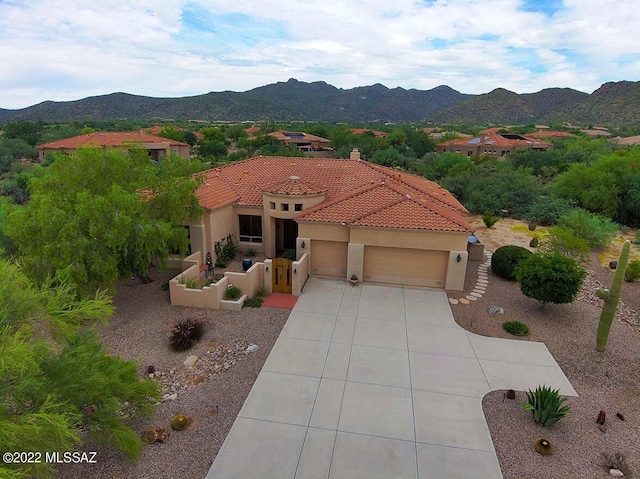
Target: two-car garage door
[(404, 266), (413, 267)]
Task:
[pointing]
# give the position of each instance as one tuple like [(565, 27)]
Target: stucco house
[(157, 146), (350, 217), (493, 143)]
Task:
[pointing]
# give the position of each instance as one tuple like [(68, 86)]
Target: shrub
[(516, 328), (289, 254), (489, 219), (546, 405), (185, 334), (534, 242), (547, 210), (261, 292), (232, 293), (229, 251), (550, 279), (632, 273), (596, 230), (251, 253), (563, 242), (254, 302), (506, 259)]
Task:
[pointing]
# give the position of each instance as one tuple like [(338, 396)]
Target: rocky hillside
[(612, 104)]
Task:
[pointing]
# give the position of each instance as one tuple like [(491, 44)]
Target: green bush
[(546, 405), (516, 328), (596, 230), (550, 279), (547, 210), (289, 254), (506, 259), (534, 242), (261, 292), (632, 273), (563, 242), (232, 293), (254, 302), (489, 219)]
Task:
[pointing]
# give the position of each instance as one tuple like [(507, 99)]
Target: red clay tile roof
[(550, 134), (156, 129), (108, 138), (294, 186), (294, 137), (354, 190), (387, 205)]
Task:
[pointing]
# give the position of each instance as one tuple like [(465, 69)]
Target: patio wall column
[(456, 270), (355, 261)]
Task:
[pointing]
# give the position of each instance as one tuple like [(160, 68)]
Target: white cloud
[(71, 49)]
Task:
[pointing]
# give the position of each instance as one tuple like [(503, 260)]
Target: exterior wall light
[(303, 244), (458, 258), (295, 271)]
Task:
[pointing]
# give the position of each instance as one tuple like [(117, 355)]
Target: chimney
[(355, 155)]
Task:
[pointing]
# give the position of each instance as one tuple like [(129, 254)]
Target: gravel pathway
[(608, 381), (212, 395)]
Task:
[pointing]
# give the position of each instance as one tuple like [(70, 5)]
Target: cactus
[(180, 423), (543, 447), (611, 298)]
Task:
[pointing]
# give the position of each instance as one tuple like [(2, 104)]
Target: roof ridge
[(337, 199)]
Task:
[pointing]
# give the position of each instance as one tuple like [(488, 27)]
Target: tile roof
[(297, 136), (387, 204), (108, 138), (376, 133), (294, 186), (355, 190), (493, 139)]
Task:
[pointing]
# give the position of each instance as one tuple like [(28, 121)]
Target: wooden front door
[(281, 276)]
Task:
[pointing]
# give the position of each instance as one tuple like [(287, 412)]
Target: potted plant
[(354, 280)]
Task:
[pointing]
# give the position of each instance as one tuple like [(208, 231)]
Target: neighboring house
[(550, 134), (157, 146), (300, 140), (351, 216), (493, 143), (157, 129), (362, 131), (628, 141)]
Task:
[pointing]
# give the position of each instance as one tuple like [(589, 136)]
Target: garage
[(405, 266), (329, 258)]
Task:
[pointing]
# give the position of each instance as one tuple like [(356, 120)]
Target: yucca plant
[(546, 405)]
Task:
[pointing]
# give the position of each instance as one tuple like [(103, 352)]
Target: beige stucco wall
[(355, 261), (218, 224), (300, 270), (323, 231), (430, 240), (456, 271), (250, 281)]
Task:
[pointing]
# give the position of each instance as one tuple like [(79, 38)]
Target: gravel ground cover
[(608, 381), (139, 330)]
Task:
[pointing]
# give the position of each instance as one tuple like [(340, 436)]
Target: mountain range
[(614, 104)]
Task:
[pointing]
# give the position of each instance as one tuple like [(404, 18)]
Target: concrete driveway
[(377, 382)]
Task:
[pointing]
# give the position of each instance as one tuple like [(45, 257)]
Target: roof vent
[(293, 177)]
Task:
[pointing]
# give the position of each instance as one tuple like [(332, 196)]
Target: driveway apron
[(377, 382)]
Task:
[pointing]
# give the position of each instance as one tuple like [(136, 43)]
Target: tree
[(57, 382), (596, 230), (96, 216), (550, 278)]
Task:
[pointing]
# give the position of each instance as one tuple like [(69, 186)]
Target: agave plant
[(546, 405)]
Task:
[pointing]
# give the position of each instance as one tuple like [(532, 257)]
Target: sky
[(64, 50)]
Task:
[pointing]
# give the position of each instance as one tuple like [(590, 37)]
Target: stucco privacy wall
[(300, 274), (210, 296)]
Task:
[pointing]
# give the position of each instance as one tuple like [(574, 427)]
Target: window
[(284, 206), (272, 205), (250, 228), (297, 207)]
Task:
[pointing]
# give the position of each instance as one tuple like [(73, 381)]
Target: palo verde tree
[(56, 383), (96, 216)]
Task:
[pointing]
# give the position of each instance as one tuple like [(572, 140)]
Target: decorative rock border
[(482, 282)]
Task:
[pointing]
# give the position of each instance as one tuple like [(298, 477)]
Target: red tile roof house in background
[(362, 131), (345, 217), (492, 143), (302, 141), (157, 146)]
